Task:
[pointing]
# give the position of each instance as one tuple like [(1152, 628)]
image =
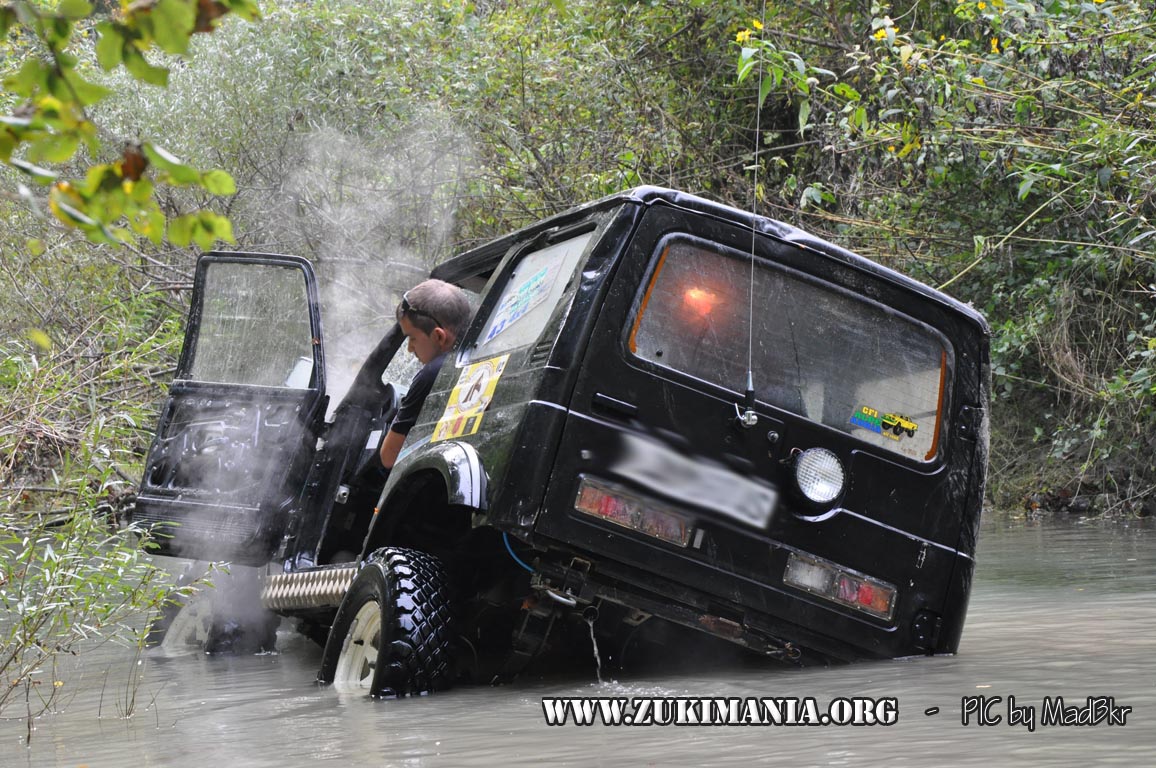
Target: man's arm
[(390, 447), (408, 410)]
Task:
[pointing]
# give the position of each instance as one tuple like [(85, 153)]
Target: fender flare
[(458, 465)]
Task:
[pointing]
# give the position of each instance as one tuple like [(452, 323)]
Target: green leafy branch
[(116, 201)]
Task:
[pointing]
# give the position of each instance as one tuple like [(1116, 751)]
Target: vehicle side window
[(254, 327), (819, 351), (528, 299)]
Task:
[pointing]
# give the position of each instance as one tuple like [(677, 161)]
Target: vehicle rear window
[(818, 351)]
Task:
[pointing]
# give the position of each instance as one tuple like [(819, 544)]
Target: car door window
[(254, 327), (529, 297)]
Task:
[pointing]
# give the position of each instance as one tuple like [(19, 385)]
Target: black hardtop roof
[(485, 258)]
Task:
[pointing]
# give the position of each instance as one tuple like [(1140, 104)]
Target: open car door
[(227, 466)]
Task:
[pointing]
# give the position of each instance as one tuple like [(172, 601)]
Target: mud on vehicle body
[(620, 433)]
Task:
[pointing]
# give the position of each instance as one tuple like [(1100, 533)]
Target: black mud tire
[(393, 633)]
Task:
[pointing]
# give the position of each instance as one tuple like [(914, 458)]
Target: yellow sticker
[(469, 399)]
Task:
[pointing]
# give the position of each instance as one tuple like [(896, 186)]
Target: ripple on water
[(1057, 610)]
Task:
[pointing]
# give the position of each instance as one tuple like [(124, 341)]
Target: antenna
[(748, 418)]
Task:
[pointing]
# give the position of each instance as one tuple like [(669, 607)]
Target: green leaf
[(219, 183), (746, 63), (74, 9), (86, 92), (42, 175), (220, 226), (142, 70), (35, 246), (53, 148), (7, 18), (173, 22), (204, 236), (245, 9), (152, 226), (57, 32), (804, 115), (75, 216), (101, 179), (178, 172), (7, 145), (1025, 188), (29, 79), (764, 90), (142, 191), (161, 156), (110, 46), (181, 230)]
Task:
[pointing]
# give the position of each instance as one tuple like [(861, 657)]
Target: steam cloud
[(374, 215)]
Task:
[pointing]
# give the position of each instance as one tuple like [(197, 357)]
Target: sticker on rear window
[(529, 294), (892, 425)]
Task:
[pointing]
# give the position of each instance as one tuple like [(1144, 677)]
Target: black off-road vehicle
[(664, 411)]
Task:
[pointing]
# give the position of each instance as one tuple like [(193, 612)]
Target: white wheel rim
[(359, 650), (191, 626)]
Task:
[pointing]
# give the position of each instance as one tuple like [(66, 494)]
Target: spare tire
[(392, 634)]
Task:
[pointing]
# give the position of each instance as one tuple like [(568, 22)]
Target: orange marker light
[(699, 300)]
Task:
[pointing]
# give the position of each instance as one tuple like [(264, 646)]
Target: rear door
[(237, 433), (654, 419)]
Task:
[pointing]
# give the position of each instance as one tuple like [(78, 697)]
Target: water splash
[(594, 645)]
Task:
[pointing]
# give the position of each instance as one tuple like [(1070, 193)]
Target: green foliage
[(1003, 149), (67, 581), (76, 385), (51, 86)]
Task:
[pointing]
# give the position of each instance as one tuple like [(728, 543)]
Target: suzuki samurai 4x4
[(665, 411)]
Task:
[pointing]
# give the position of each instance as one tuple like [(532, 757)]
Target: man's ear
[(441, 337)]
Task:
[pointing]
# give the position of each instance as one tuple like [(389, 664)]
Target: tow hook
[(558, 597)]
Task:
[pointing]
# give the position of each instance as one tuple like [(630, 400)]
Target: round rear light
[(819, 475)]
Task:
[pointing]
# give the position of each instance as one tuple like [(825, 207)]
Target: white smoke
[(374, 215)]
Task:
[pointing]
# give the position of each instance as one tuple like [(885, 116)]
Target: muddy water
[(1058, 610)]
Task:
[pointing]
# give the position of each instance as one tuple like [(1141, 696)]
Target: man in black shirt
[(432, 315)]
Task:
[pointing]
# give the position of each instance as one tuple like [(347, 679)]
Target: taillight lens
[(612, 502), (826, 579)]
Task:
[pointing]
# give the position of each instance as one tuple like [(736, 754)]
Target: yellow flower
[(880, 33), (757, 24), (995, 45), (981, 5), (743, 36), (891, 148)]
